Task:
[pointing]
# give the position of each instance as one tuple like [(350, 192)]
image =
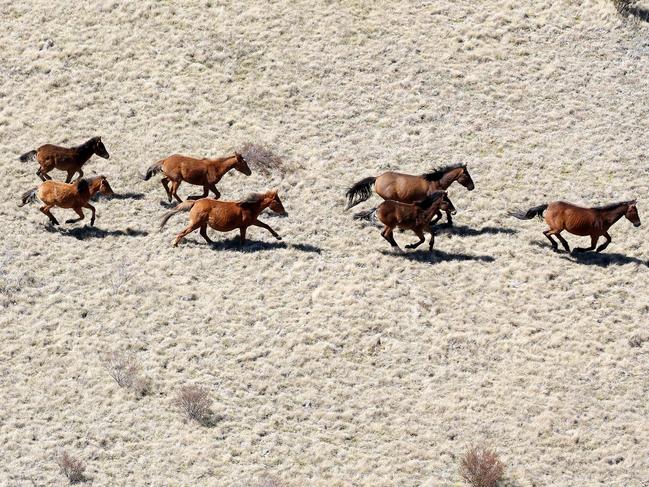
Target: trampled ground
[(330, 359)]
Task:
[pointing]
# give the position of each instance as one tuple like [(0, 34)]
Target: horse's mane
[(612, 206), (252, 199), (437, 173), (430, 199), (83, 184), (89, 142)]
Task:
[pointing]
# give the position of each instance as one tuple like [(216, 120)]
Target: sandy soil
[(331, 360)]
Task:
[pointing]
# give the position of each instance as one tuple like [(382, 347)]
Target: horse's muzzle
[(637, 224)]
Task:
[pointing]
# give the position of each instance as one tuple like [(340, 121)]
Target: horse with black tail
[(593, 222), (409, 216), (408, 188)]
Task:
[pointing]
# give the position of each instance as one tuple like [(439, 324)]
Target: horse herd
[(411, 202)]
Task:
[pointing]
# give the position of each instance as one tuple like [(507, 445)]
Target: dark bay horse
[(226, 216), (65, 195), (408, 188), (578, 220), (202, 172), (410, 216), (67, 159)]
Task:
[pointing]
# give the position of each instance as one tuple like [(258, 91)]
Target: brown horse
[(410, 216), (407, 188), (577, 220), (202, 172), (64, 195), (65, 159), (226, 216)]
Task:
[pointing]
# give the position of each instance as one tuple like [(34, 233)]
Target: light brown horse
[(578, 220), (65, 159), (202, 172), (65, 195), (410, 216), (408, 188), (226, 216)]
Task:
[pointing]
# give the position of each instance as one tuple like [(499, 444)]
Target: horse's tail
[(365, 215), (185, 206), (153, 169), (359, 192), (28, 156), (29, 196), (529, 214)]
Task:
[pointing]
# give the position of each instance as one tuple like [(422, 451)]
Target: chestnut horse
[(408, 188), (225, 216), (65, 195), (202, 172), (65, 159), (410, 216), (578, 220)]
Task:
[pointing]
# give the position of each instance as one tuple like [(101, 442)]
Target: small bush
[(194, 402), (125, 370), (71, 467), (268, 482), (262, 159), (622, 6), (481, 467)]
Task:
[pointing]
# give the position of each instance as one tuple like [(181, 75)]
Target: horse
[(226, 216), (66, 195), (408, 188), (68, 159), (202, 172), (410, 216), (578, 220)]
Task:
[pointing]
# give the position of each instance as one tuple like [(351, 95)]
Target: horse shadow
[(124, 196), (437, 256), (466, 231), (82, 233), (261, 245), (638, 12), (603, 259)]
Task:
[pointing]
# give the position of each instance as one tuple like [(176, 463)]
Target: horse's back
[(49, 151), (189, 169), (221, 215), (394, 213), (57, 193), (401, 187), (575, 219)]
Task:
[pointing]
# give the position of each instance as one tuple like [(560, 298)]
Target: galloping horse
[(415, 217), (202, 172), (64, 195), (225, 216), (66, 159), (577, 220), (408, 188)]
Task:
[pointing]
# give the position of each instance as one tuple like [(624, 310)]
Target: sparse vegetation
[(622, 6), (481, 467), (126, 371), (262, 159), (73, 468), (194, 402)]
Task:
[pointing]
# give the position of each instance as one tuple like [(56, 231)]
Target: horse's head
[(632, 213), (241, 165), (104, 187), (99, 148), (447, 205), (276, 204), (465, 179)]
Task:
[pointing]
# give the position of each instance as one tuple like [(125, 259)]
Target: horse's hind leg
[(185, 232), (449, 220), (422, 239), (605, 244), (203, 232), (217, 195), (593, 244), (555, 246), (46, 210), (432, 241), (71, 172), (388, 234), (165, 185), (174, 190), (75, 220), (206, 191), (563, 241)]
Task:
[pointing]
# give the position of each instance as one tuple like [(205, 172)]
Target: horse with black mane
[(408, 188)]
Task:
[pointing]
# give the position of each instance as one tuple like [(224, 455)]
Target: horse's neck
[(430, 211), (85, 150), (609, 217), (447, 179), (226, 164)]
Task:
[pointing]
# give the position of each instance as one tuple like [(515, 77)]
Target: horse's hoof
[(279, 238)]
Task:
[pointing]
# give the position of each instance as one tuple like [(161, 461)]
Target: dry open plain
[(330, 359)]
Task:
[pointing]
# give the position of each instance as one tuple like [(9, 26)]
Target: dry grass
[(194, 402), (73, 468), (481, 467)]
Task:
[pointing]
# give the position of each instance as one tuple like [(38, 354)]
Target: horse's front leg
[(257, 223), (75, 220), (41, 174), (217, 195), (206, 191), (449, 219), (91, 208), (242, 235), (437, 217), (593, 244), (605, 244)]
